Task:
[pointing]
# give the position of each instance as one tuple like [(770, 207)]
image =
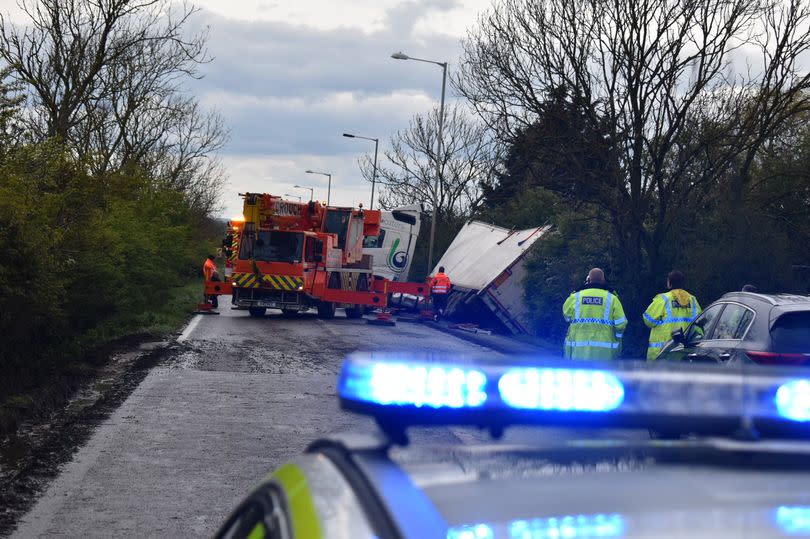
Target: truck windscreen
[(273, 246)]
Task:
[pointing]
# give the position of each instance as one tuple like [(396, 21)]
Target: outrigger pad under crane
[(382, 318), (212, 288), (205, 308)]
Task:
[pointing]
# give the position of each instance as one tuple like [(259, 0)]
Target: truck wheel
[(257, 311), (289, 313), (326, 310), (358, 310)]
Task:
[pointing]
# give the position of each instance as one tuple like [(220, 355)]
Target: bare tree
[(185, 155), (686, 94), (106, 78), (74, 54), (11, 101), (408, 175)]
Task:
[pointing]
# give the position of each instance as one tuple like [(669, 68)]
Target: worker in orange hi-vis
[(440, 287), (210, 274)]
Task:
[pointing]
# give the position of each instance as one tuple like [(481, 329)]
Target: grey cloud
[(402, 18), (281, 128), (276, 84), (270, 58)]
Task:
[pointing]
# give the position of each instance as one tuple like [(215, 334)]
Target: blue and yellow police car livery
[(742, 470)]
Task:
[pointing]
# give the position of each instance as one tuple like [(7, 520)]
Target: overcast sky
[(290, 76)]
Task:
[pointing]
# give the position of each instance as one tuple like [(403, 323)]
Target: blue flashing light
[(576, 390), (568, 527), (414, 390), (793, 520), (475, 531), (414, 384), (793, 400)]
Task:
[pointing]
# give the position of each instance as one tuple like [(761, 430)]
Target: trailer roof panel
[(481, 252)]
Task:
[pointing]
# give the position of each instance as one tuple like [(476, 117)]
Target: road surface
[(240, 396)]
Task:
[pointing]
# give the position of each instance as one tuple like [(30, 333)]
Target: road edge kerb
[(186, 331), (499, 343)]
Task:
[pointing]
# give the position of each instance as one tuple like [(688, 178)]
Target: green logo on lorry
[(397, 260)]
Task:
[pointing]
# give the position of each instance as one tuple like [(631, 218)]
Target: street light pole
[(311, 191), (438, 171), (374, 176), (329, 187), (293, 196), (443, 65)]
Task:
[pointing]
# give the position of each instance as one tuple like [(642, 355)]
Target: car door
[(727, 334), (696, 333)]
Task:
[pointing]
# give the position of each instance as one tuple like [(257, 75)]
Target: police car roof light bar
[(400, 391)]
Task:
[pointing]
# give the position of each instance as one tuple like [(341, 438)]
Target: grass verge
[(34, 393)]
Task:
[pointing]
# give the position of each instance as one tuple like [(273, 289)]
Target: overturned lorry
[(295, 256), (486, 265)]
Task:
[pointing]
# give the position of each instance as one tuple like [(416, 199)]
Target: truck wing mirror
[(404, 217)]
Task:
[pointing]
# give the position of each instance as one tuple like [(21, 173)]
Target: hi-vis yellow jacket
[(597, 323), (672, 310)]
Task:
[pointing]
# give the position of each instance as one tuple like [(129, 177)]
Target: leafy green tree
[(108, 174)]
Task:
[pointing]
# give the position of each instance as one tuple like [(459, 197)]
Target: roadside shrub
[(83, 260)]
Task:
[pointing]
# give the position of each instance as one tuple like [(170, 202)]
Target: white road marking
[(189, 328)]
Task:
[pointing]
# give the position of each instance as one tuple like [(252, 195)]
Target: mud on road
[(32, 458)]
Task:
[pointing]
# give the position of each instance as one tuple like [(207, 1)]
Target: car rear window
[(791, 332)]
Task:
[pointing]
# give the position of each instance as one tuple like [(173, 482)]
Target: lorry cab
[(392, 249)]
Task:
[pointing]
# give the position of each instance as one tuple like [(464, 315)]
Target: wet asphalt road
[(241, 396)]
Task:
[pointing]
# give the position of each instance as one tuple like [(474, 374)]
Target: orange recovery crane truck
[(295, 256)]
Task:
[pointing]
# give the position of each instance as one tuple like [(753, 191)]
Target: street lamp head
[(348, 135), (299, 187), (400, 56), (309, 172)]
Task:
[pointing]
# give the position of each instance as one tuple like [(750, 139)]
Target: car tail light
[(775, 358)]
